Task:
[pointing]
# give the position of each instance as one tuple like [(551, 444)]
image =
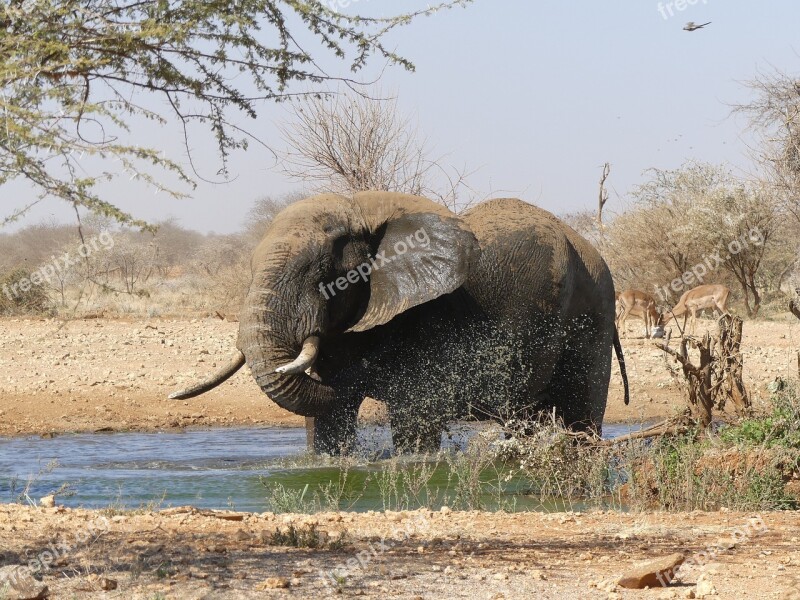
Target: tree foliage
[(658, 228), (76, 75)]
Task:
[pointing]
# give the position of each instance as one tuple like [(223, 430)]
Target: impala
[(713, 296), (636, 303)]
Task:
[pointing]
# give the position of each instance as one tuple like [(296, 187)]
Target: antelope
[(636, 303), (713, 296)]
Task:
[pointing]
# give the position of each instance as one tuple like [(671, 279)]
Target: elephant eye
[(334, 231)]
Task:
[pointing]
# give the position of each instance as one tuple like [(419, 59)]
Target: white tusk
[(304, 360)]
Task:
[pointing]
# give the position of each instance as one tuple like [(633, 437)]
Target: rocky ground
[(183, 553), (87, 375)]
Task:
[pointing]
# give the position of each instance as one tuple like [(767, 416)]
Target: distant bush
[(19, 296)]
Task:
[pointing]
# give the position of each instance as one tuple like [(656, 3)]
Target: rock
[(726, 543), (107, 584), (606, 586), (655, 573), (97, 582), (274, 583), (445, 510), (705, 587), (48, 501), (17, 583)]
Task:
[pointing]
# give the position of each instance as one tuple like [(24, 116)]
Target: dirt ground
[(184, 553), (101, 374)]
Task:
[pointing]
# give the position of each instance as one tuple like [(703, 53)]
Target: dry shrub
[(14, 300)]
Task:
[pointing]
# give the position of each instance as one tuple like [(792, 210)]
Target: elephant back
[(531, 260)]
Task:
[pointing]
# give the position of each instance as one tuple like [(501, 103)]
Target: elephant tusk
[(304, 360), (217, 378)]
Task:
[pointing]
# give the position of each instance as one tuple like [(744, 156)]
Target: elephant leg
[(415, 430), (335, 433), (579, 387)]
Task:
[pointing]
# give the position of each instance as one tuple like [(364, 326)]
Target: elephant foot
[(415, 435), (335, 433)]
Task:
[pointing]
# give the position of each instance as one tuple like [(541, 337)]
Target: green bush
[(779, 428)]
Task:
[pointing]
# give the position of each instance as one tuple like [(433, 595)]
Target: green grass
[(307, 536)]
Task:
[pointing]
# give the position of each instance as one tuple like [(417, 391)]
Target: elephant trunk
[(269, 351)]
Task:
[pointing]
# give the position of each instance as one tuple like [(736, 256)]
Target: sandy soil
[(88, 375), (183, 553)]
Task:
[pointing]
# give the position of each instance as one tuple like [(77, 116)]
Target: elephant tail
[(622, 370), (213, 381)]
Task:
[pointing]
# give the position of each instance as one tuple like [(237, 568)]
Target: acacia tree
[(655, 241), (76, 74), (741, 222)]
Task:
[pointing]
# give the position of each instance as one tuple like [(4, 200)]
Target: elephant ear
[(420, 256)]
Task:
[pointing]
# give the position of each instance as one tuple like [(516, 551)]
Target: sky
[(530, 96)]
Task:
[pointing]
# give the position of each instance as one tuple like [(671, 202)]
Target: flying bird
[(690, 26)]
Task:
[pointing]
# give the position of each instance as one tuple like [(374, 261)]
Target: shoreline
[(233, 426)]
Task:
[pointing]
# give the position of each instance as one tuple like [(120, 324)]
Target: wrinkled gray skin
[(505, 312)]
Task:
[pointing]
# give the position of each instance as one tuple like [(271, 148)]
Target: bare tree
[(774, 113), (603, 195), (263, 211), (347, 143), (133, 260)]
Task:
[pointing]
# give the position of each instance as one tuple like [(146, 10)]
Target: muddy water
[(208, 468)]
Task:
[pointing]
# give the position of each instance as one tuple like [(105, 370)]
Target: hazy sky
[(535, 95)]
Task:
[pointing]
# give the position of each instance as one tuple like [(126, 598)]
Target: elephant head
[(331, 264)]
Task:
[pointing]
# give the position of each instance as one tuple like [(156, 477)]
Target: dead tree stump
[(729, 366), (698, 377)]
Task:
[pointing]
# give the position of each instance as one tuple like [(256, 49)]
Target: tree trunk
[(795, 310), (729, 366), (756, 296)]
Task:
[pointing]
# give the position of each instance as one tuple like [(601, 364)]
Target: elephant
[(501, 312)]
